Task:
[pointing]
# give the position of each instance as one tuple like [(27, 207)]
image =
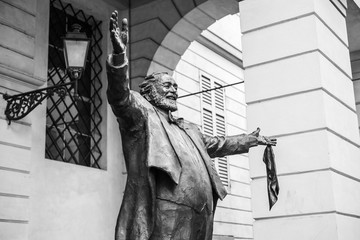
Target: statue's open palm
[(262, 140), (119, 37)]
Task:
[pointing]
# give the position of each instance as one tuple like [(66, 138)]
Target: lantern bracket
[(20, 105)]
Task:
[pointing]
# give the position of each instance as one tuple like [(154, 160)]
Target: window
[(213, 119), (73, 122)]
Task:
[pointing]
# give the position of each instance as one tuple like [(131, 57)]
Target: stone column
[(299, 89)]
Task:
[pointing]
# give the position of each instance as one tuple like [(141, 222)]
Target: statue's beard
[(162, 102)]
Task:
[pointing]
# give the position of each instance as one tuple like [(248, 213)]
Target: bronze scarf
[(272, 181)]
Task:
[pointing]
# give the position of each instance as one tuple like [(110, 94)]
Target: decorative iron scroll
[(20, 105)]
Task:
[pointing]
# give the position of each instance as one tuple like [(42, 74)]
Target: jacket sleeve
[(126, 107), (118, 91), (220, 146)]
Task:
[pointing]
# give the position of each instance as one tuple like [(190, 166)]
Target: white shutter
[(219, 97), (220, 125), (213, 120), (222, 169), (207, 122), (222, 164), (206, 85)]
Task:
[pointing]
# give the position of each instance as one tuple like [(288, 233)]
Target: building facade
[(62, 173)]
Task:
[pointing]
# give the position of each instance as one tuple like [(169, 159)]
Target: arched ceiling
[(162, 30), (133, 3), (353, 25)]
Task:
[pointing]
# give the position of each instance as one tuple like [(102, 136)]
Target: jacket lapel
[(196, 139), (161, 153)]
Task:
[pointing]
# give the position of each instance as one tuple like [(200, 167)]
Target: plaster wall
[(22, 68), (41, 198), (299, 89)]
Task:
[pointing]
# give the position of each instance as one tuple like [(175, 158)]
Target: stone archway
[(162, 30), (299, 89)]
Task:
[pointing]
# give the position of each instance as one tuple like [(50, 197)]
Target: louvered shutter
[(206, 85), (222, 164), (219, 97), (207, 112), (207, 122), (213, 120)]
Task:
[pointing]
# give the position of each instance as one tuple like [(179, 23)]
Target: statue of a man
[(172, 187)]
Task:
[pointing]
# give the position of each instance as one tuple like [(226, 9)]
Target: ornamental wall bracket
[(20, 105), (76, 46)]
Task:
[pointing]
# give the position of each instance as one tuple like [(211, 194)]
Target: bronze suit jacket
[(146, 146)]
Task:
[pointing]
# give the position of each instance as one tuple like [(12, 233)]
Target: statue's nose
[(173, 89)]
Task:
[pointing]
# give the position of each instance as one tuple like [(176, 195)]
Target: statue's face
[(164, 93)]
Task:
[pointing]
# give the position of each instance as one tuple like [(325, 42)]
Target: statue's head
[(160, 89)]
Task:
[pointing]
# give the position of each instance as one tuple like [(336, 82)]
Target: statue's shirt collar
[(172, 119)]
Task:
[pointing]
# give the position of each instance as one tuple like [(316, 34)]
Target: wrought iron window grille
[(73, 122)]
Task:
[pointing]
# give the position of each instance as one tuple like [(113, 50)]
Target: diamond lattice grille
[(73, 122)]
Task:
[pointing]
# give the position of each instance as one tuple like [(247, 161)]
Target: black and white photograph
[(179, 119)]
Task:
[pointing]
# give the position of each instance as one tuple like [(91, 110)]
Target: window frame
[(94, 88)]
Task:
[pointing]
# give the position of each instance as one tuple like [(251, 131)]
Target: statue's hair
[(145, 86)]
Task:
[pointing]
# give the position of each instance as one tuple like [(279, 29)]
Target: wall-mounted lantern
[(76, 46)]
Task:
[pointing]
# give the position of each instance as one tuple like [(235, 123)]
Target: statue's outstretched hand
[(119, 37), (262, 140)]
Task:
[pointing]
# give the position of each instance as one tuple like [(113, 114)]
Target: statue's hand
[(119, 37), (262, 140)]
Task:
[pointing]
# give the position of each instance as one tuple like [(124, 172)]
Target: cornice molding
[(21, 77), (221, 47)]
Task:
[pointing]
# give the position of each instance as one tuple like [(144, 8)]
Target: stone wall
[(41, 198), (24, 28), (299, 89)]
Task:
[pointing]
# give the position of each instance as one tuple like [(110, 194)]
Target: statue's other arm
[(220, 146)]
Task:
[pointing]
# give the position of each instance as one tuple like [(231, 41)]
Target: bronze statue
[(172, 187)]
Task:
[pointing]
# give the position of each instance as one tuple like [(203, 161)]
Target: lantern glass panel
[(76, 52)]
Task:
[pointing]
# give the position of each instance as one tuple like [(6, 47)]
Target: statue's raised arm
[(118, 92)]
